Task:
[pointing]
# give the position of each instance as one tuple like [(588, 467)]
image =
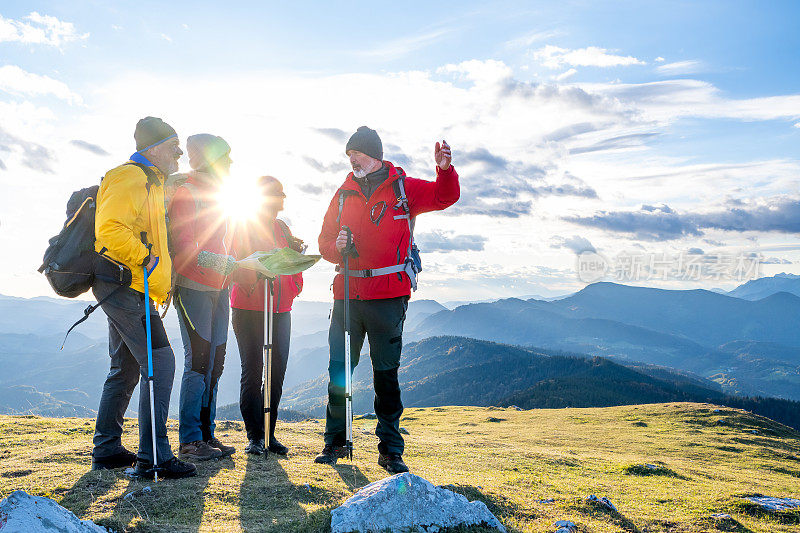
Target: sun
[(240, 198)]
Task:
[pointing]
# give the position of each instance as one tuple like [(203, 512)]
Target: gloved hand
[(220, 263)]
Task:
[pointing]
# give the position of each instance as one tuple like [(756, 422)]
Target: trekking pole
[(149, 332), (348, 250), (267, 363)]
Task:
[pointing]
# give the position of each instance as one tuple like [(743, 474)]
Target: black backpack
[(70, 262)]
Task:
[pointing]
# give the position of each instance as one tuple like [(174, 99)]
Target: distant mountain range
[(762, 287), (36, 377), (745, 346), (689, 330), (461, 371)]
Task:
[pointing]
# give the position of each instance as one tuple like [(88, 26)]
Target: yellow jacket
[(125, 209)]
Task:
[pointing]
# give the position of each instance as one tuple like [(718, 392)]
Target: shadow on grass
[(143, 506), (91, 486), (651, 470), (498, 505), (724, 524), (600, 512), (352, 476), (270, 502)]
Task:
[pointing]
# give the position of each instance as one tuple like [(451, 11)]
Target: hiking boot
[(276, 447), (198, 451), (256, 447), (392, 463), (215, 443), (330, 454), (117, 460), (172, 469)]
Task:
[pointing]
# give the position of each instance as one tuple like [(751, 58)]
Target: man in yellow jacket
[(131, 232)]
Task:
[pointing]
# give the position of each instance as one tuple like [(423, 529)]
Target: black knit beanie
[(367, 142), (150, 131)]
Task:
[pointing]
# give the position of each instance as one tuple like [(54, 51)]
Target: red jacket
[(385, 243), (197, 222), (248, 291)]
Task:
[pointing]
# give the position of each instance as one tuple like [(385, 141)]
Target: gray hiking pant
[(127, 346)]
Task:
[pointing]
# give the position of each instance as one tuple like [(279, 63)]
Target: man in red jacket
[(382, 275)]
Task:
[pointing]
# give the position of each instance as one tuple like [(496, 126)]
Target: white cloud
[(672, 99), (679, 68), (166, 37), (522, 137), (554, 57), (399, 47), (17, 81), (564, 75), (528, 39), (659, 59), (479, 72), (38, 29)]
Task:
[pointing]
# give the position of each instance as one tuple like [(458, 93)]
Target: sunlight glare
[(241, 198)]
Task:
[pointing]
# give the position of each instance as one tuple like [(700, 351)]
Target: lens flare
[(241, 199)]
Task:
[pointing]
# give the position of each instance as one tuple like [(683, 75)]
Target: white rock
[(775, 504), (721, 516), (406, 502), (23, 513), (565, 526)]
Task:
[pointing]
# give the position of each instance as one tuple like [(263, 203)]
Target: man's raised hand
[(442, 155)]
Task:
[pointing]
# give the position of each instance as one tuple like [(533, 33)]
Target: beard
[(360, 173)]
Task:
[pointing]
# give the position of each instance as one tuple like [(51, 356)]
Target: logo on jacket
[(377, 212)]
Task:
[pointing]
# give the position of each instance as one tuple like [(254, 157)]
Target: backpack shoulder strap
[(193, 191), (285, 229), (343, 194), (402, 199), (152, 178)]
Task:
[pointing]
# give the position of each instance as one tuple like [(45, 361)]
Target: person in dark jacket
[(381, 280), (247, 302)]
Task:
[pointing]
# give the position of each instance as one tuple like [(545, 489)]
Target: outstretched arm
[(425, 196)]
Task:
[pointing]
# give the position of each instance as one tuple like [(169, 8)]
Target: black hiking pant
[(381, 321), (249, 329)]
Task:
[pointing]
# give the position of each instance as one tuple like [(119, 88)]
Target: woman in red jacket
[(247, 307)]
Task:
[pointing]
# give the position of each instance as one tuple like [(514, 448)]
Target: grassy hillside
[(515, 461)]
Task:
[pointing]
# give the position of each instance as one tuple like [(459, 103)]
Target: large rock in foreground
[(405, 502), (23, 513)]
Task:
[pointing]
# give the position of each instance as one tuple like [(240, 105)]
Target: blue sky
[(654, 128)]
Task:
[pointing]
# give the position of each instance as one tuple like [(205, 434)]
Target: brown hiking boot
[(197, 451), (214, 442)]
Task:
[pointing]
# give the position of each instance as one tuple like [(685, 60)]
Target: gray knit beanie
[(205, 149), (366, 141)]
